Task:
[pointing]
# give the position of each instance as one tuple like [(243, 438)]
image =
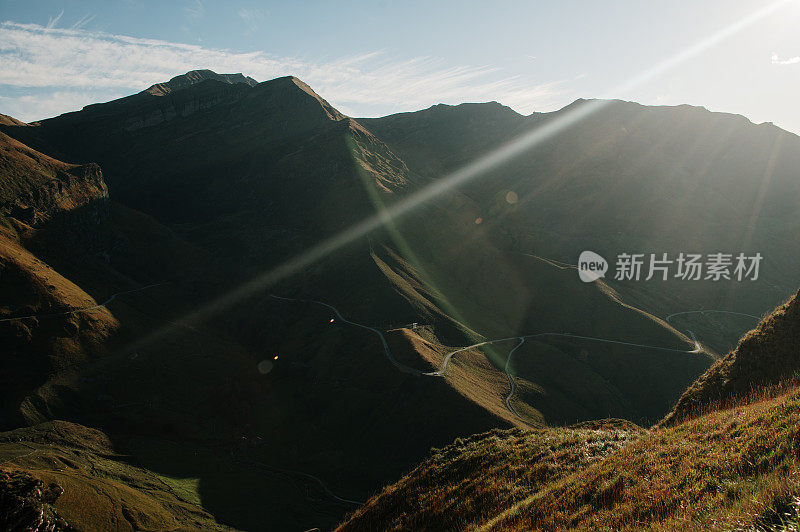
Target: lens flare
[(547, 130)]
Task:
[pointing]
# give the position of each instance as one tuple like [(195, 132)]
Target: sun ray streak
[(561, 122)]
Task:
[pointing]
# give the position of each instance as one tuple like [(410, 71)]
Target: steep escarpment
[(35, 187), (40, 330)]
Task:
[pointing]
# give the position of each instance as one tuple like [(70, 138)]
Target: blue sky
[(378, 57)]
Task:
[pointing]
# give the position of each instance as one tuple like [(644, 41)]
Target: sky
[(373, 58)]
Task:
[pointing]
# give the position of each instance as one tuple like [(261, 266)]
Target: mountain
[(444, 137), (195, 150), (628, 178), (264, 172), (219, 316)]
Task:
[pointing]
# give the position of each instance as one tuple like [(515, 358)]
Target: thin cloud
[(788, 61), (73, 62), (53, 21), (83, 21), (195, 9), (251, 18), (32, 107)]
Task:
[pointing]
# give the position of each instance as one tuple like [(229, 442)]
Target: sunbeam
[(561, 122)]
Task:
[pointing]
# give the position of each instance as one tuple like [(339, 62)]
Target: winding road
[(704, 312), (521, 338), (386, 350), (306, 476), (83, 309), (512, 385), (697, 348), (710, 312)]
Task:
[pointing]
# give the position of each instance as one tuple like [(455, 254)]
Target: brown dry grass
[(469, 372), (735, 468), (765, 357), (471, 480)]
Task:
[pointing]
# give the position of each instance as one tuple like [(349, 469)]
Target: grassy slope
[(511, 464), (101, 489), (34, 190), (460, 272), (766, 357), (728, 468), (34, 348)]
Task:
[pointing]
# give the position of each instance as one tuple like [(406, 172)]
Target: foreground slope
[(768, 356), (734, 467), (506, 466)]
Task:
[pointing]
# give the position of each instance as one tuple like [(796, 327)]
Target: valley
[(236, 307)]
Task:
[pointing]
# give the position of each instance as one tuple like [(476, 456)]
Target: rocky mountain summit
[(196, 76)]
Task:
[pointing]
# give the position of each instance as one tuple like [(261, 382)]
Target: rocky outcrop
[(34, 187), (196, 76), (26, 504), (156, 106)]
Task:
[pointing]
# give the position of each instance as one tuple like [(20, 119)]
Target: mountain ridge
[(196, 76), (215, 185)]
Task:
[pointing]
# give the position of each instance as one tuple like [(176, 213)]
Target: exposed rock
[(26, 504), (196, 76), (35, 187)]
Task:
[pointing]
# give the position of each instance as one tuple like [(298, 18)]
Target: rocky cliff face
[(156, 106), (34, 188), (196, 76), (26, 504)]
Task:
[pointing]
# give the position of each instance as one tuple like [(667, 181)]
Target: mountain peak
[(287, 85), (197, 76)]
